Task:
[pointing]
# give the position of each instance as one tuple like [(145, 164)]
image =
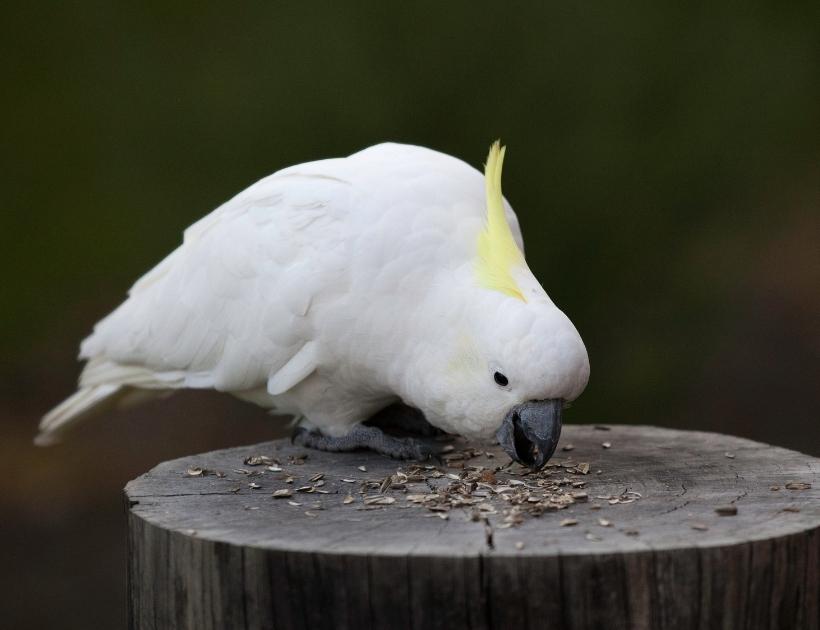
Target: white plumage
[(329, 290)]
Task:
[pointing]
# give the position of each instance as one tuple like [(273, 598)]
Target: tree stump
[(629, 527)]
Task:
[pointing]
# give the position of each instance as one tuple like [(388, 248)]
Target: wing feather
[(230, 307)]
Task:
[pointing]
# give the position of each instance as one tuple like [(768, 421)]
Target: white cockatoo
[(332, 289)]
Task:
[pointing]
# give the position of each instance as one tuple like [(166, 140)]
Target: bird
[(332, 290)]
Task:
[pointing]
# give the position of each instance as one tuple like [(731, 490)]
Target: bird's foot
[(405, 419), (365, 437)]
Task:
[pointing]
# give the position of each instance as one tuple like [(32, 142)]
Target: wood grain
[(212, 551)]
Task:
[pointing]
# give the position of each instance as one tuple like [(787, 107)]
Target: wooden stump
[(667, 529)]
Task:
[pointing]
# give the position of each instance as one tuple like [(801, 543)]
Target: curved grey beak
[(530, 431)]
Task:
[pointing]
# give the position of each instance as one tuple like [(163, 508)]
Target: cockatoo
[(332, 289)]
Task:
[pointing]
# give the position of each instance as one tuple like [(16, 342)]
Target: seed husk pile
[(508, 492), (504, 491)]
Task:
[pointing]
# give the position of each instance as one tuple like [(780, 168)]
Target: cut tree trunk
[(662, 529)]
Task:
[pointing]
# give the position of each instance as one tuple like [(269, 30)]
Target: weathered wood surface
[(213, 551)]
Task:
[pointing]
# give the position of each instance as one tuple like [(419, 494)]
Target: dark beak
[(530, 431)]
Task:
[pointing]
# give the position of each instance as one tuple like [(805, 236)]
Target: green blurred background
[(664, 163)]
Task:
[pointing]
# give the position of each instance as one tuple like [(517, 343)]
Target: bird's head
[(513, 360)]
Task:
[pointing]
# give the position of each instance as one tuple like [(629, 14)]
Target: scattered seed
[(593, 537), (258, 460), (254, 486), (294, 503), (568, 447), (601, 427), (699, 526), (604, 522), (510, 492), (726, 510), (798, 485), (774, 488), (519, 545), (606, 444), (632, 532), (379, 500), (442, 515), (729, 455), (194, 471), (311, 514)]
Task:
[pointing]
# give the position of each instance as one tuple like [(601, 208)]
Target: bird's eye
[(501, 379)]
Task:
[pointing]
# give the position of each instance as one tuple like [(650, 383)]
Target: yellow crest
[(498, 254)]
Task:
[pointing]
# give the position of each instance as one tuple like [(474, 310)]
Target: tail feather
[(104, 385), (80, 405)]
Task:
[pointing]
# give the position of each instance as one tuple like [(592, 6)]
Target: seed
[(798, 485), (283, 493), (379, 500), (727, 510)]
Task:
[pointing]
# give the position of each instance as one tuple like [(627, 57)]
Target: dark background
[(664, 163)]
